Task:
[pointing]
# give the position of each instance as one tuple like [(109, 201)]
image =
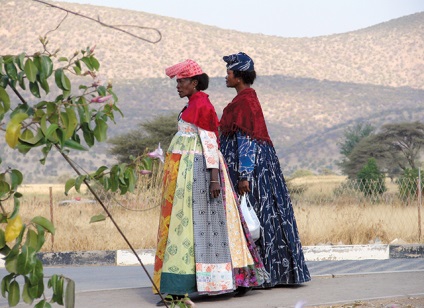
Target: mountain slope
[(311, 89), (388, 54)]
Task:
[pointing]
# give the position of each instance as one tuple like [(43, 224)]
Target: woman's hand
[(243, 187), (214, 189)]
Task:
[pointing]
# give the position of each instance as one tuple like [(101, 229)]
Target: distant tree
[(363, 151), (406, 139), (351, 137), (159, 130), (395, 147), (371, 179)]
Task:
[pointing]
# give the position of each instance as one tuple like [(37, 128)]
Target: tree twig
[(107, 25)]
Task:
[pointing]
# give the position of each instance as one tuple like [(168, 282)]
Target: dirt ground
[(402, 302)]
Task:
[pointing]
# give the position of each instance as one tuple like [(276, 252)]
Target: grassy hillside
[(388, 54), (311, 89)]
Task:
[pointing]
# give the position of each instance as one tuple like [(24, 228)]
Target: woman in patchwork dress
[(203, 242)]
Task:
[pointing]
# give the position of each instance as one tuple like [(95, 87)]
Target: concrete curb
[(312, 253)]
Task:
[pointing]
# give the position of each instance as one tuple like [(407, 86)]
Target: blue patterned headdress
[(239, 62)]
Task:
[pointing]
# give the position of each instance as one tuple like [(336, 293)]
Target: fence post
[(419, 205), (51, 213)]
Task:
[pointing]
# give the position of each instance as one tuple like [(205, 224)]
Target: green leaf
[(21, 80), (26, 296), (46, 66), (100, 131), (5, 282), (58, 78), (43, 83), (74, 145), (97, 218), (58, 291), (70, 294), (63, 59), (66, 83), (94, 63), (87, 63), (99, 171), (43, 304), (35, 90), (87, 134), (20, 60), (77, 70), (4, 188), (4, 101), (50, 132), (32, 240), (30, 70), (102, 90), (2, 239), (78, 182), (25, 260), (35, 277), (14, 295), (11, 71), (16, 178), (35, 140), (68, 186), (44, 222), (11, 265)]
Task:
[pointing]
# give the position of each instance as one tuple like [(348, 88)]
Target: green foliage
[(352, 136), (371, 179), (68, 121), (159, 130), (408, 184), (395, 147)]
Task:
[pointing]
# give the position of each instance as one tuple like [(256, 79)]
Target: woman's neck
[(241, 86)]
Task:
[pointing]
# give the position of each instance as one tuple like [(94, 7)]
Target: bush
[(371, 179), (408, 184)]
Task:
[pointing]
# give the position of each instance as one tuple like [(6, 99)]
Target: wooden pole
[(51, 213), (419, 204)]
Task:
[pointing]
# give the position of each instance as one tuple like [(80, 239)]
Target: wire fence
[(328, 209), (334, 211)]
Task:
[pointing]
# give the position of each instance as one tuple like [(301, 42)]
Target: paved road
[(332, 282)]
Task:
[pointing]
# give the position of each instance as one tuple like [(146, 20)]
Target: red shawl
[(244, 113), (201, 112)]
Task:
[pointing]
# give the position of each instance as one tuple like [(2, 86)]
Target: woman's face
[(186, 87), (230, 80)]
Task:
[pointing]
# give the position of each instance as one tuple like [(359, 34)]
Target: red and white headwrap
[(185, 69)]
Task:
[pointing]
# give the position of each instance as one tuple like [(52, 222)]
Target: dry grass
[(321, 217)]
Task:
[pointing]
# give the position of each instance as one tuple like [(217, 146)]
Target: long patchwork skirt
[(203, 243)]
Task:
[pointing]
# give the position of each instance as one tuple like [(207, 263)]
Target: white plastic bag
[(251, 219)]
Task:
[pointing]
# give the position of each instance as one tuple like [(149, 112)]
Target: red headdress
[(185, 69), (199, 110)]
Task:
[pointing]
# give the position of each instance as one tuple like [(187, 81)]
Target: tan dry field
[(321, 217)]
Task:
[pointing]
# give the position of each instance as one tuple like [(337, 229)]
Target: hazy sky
[(294, 18)]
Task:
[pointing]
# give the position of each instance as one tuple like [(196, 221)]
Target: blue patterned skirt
[(279, 244)]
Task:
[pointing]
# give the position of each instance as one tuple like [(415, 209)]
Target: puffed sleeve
[(210, 148)]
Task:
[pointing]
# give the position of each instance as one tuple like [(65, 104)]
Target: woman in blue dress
[(255, 170)]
